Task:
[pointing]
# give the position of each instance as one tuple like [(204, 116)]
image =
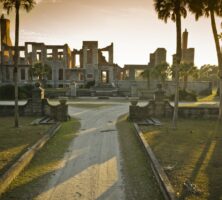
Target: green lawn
[(33, 179), (195, 152), (89, 105), (139, 180), (212, 97), (15, 141)]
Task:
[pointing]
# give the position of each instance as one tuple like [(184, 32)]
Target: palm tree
[(162, 72), (9, 5), (41, 71), (210, 8), (174, 10), (187, 70)]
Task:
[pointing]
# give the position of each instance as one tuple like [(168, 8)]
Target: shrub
[(185, 95), (7, 92), (90, 84), (205, 92), (26, 91)]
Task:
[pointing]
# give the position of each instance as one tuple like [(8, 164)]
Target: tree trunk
[(148, 81), (16, 63), (185, 79), (178, 60), (219, 57)]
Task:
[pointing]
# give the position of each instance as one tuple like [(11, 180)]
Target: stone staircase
[(104, 90)]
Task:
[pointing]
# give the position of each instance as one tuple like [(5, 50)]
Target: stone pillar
[(185, 40), (73, 90), (37, 97), (131, 74), (34, 55), (159, 102), (26, 54), (73, 59), (62, 110), (111, 54), (54, 54), (26, 74), (95, 57), (111, 76), (134, 90), (84, 57)]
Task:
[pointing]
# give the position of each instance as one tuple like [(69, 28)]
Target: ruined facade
[(133, 72), (85, 65), (90, 64)]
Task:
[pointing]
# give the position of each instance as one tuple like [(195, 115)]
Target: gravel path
[(91, 167)]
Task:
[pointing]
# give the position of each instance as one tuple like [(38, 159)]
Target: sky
[(132, 25)]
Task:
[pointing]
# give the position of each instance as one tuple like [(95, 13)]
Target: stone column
[(26, 74), (131, 74), (62, 110), (111, 54), (37, 97), (110, 76), (73, 90), (34, 56), (73, 59), (95, 57), (84, 57), (54, 54), (26, 54), (134, 90)]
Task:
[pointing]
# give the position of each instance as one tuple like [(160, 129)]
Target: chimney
[(185, 39)]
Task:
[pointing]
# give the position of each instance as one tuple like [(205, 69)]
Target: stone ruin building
[(82, 66), (85, 65)]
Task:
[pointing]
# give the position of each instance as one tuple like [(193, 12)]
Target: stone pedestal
[(62, 110), (73, 90), (38, 94), (134, 90), (159, 94)]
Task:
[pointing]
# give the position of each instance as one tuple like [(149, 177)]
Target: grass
[(14, 141), (87, 105), (210, 98), (139, 180), (32, 180), (195, 151), (199, 105), (90, 106)]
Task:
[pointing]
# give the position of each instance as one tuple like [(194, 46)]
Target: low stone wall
[(38, 105), (198, 112), (58, 112), (29, 109), (153, 109), (165, 110), (197, 87), (38, 109)]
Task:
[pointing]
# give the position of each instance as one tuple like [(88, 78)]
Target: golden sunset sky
[(132, 25)]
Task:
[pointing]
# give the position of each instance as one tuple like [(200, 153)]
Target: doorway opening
[(105, 76)]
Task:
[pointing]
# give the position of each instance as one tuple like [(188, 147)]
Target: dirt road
[(91, 167)]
